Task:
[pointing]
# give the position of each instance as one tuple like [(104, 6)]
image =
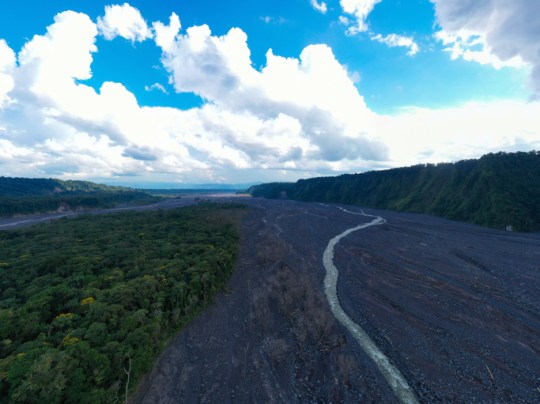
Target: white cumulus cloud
[(394, 40), (320, 6), (253, 119), (314, 89), (293, 117), (497, 32), (360, 10), (166, 34), (125, 21), (7, 65), (66, 128), (49, 63)]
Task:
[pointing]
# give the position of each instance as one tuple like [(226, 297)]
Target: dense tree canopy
[(497, 190), (87, 303)]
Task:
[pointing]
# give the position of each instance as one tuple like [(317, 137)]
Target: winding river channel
[(393, 376)]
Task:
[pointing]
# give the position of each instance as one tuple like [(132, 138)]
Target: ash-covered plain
[(453, 306)]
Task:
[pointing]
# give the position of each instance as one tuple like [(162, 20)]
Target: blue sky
[(175, 91)]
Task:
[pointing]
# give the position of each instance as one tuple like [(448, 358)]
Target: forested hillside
[(87, 303), (39, 195), (10, 186), (497, 190)]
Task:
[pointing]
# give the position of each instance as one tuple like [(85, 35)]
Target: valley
[(302, 201), (447, 310), (453, 306)]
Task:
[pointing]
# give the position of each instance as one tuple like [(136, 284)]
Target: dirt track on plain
[(454, 307)]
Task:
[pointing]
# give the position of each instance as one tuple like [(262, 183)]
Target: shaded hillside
[(497, 190), (10, 186), (40, 195)]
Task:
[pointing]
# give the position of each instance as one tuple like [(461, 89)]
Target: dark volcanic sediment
[(454, 306)]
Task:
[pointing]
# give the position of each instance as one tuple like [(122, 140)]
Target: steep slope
[(498, 190)]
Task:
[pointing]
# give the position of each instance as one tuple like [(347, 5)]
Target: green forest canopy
[(498, 190), (85, 301)]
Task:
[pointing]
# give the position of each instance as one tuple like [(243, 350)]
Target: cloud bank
[(312, 95), (293, 117), (496, 32)]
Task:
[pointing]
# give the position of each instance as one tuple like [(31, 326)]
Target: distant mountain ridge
[(46, 195), (14, 186), (499, 190)]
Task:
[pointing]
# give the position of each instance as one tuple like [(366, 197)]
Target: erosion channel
[(392, 375)]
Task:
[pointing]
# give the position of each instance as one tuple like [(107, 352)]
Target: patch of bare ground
[(300, 340), (454, 306)]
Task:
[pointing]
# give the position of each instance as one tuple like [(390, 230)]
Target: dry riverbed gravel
[(454, 307)]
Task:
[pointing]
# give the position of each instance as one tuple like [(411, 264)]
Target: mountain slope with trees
[(14, 186), (40, 195), (497, 190)]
